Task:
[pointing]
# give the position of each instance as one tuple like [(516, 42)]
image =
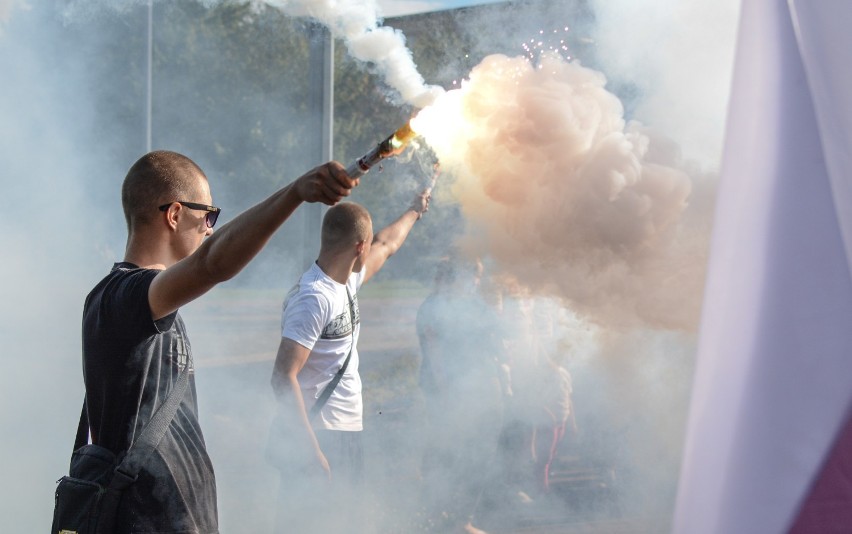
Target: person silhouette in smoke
[(134, 342), (320, 328), (522, 346), (555, 416), (461, 383)]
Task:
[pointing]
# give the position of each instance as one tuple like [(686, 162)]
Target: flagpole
[(148, 103)]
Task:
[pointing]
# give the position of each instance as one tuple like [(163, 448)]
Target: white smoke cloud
[(358, 24), (680, 56), (566, 195)]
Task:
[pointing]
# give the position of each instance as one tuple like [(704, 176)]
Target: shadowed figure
[(460, 380)]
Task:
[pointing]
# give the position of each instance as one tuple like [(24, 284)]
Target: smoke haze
[(358, 24), (595, 198), (53, 227), (683, 85)]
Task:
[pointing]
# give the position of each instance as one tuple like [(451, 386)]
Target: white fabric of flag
[(773, 379)]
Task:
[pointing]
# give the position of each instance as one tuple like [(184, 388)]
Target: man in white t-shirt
[(320, 325)]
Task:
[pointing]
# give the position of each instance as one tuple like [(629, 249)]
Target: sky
[(396, 8)]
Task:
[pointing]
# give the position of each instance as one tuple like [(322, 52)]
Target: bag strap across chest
[(329, 388), (150, 436)]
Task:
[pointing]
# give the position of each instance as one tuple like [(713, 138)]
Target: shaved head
[(158, 178), (345, 224)]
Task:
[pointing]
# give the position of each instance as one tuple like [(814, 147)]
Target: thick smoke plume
[(567, 195), (358, 24), (677, 57)]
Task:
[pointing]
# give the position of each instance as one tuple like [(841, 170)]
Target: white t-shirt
[(316, 315)]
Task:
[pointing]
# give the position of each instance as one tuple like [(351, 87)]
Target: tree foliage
[(232, 89)]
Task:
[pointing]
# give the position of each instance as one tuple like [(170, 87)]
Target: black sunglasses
[(209, 219)]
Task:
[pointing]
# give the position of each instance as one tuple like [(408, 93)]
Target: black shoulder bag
[(87, 498), (329, 388)]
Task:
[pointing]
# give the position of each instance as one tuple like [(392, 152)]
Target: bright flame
[(402, 137)]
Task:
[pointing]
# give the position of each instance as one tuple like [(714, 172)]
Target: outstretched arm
[(388, 240), (229, 250), (289, 361)]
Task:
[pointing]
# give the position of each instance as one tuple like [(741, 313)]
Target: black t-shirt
[(130, 364)]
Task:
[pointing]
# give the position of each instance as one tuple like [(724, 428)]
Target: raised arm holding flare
[(134, 342), (320, 328)]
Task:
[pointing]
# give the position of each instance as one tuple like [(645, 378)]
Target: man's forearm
[(224, 253), (228, 250), (231, 248), (387, 241), (393, 236), (292, 407)]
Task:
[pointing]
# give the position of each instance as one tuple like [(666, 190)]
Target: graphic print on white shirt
[(341, 325)]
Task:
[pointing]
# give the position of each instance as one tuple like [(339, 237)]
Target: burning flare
[(392, 146)]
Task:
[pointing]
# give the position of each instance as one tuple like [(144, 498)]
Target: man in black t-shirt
[(134, 341)]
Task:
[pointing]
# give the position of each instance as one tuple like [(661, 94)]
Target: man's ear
[(172, 216), (359, 247)]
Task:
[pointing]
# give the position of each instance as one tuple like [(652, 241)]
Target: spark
[(534, 48)]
